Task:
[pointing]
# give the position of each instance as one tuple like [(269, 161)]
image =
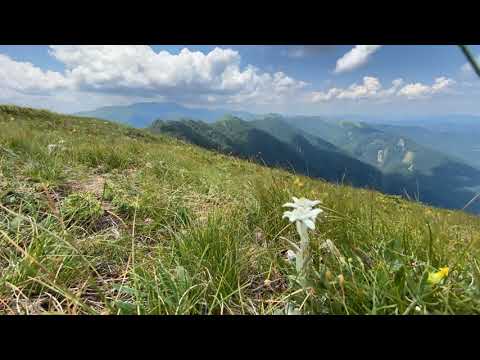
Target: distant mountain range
[(408, 166), (142, 115), (458, 136), (433, 161), (339, 151)]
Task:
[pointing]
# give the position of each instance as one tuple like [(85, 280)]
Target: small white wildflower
[(418, 308), (51, 148), (291, 256)]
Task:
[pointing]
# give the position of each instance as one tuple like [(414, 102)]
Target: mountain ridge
[(143, 114), (246, 139), (356, 152)]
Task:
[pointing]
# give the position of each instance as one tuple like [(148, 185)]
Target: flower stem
[(303, 256)]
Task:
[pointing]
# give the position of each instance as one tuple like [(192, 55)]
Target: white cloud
[(26, 78), (139, 70), (371, 88), (419, 90), (97, 75), (355, 58)]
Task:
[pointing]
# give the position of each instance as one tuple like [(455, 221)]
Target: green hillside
[(275, 143), (100, 218), (459, 140), (409, 168)]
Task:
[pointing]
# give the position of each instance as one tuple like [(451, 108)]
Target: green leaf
[(126, 308)]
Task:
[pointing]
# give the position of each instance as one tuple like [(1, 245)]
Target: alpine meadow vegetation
[(101, 218)]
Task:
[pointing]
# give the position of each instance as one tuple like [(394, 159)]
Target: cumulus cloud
[(419, 90), (371, 88), (24, 77), (138, 69), (355, 58), (118, 74)]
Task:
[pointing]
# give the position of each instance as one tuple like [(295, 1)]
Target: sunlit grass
[(120, 221)]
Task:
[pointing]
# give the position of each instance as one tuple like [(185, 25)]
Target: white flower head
[(302, 203), (306, 216), (51, 148)]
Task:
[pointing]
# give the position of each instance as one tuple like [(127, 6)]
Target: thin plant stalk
[(471, 59)]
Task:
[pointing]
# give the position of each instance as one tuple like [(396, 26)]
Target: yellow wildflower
[(297, 182), (328, 275), (435, 277)]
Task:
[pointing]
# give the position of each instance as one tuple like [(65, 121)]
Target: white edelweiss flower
[(302, 203), (306, 216)]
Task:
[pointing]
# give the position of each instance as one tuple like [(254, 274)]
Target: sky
[(369, 80)]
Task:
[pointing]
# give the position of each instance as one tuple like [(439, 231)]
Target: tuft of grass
[(81, 209)]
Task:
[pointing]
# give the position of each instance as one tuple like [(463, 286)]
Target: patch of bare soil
[(106, 221), (261, 288), (94, 184)]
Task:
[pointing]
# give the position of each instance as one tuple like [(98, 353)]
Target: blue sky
[(323, 79)]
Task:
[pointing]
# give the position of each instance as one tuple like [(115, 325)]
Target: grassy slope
[(121, 221), (273, 142)]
